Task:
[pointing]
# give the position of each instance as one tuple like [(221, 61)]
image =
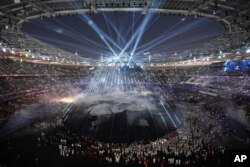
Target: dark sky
[(73, 33)]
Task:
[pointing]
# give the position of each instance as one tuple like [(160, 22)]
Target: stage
[(123, 117)]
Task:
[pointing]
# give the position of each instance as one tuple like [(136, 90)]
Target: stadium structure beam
[(222, 6), (145, 8), (186, 12), (93, 9)]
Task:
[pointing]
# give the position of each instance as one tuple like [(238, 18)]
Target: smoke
[(25, 117), (101, 104), (236, 113), (143, 122)]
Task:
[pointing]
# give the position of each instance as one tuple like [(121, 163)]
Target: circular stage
[(123, 117)]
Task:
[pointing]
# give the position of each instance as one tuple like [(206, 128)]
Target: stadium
[(124, 83)]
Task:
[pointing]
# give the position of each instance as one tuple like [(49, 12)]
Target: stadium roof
[(234, 14)]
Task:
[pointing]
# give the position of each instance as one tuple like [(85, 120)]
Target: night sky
[(76, 33)]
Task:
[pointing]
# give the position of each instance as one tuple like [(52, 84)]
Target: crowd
[(192, 145), (9, 66), (195, 144), (24, 83)]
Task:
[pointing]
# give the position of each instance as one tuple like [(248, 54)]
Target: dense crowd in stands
[(8, 66), (22, 83)]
